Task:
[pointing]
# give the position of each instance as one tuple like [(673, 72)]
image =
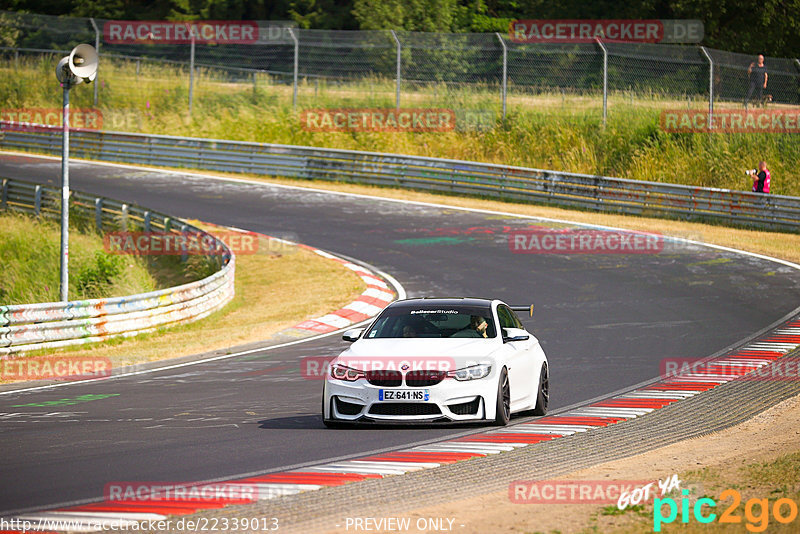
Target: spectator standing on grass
[(758, 79), (761, 179)]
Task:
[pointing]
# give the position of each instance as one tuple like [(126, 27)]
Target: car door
[(520, 362)]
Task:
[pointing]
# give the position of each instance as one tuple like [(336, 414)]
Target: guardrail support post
[(295, 68), (505, 72), (124, 221), (710, 87), (98, 214), (4, 195), (183, 243), (97, 49), (147, 221), (399, 64), (605, 80), (37, 200)]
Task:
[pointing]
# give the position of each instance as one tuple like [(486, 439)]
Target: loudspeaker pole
[(65, 196), (79, 67)]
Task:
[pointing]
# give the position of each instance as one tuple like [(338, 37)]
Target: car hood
[(427, 353)]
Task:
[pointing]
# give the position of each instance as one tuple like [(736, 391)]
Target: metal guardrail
[(504, 182), (28, 327)]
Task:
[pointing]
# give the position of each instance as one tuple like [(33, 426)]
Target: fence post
[(97, 49), (710, 87), (191, 71), (505, 71), (798, 63), (397, 76), (296, 66), (605, 80)]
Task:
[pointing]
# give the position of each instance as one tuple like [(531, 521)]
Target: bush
[(96, 278)]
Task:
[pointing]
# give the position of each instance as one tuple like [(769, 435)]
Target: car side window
[(516, 320), (506, 317)]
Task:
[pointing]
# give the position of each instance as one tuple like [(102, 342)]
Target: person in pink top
[(761, 178)]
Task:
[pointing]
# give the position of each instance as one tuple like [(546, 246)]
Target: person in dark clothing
[(758, 79)]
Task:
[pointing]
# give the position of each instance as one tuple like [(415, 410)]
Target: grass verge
[(30, 259)]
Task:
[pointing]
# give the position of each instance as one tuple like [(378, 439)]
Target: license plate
[(404, 395)]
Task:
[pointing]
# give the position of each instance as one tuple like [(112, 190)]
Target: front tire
[(503, 409), (543, 396)]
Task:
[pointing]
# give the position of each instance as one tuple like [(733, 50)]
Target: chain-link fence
[(398, 68)]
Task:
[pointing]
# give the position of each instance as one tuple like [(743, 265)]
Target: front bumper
[(449, 400)]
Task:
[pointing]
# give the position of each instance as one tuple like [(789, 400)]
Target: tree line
[(771, 27)]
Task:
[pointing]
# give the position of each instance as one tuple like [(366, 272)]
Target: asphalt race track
[(604, 320)]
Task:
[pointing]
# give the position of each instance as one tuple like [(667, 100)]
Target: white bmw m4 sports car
[(437, 360)]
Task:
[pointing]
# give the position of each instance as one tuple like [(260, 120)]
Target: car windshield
[(433, 322)]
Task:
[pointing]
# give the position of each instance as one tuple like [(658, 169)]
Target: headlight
[(473, 372), (342, 372)]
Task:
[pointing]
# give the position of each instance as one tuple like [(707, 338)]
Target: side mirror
[(353, 334), (515, 334)]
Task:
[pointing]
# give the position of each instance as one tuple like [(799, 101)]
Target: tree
[(410, 15)]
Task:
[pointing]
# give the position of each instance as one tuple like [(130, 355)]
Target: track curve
[(605, 321)]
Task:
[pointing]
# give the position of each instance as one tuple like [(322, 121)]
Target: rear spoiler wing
[(528, 309)]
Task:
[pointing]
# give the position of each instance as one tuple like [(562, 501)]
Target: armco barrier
[(28, 327), (462, 177)]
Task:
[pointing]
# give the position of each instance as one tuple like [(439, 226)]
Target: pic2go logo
[(756, 511)]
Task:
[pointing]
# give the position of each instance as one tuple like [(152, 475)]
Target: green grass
[(30, 265), (550, 131)]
